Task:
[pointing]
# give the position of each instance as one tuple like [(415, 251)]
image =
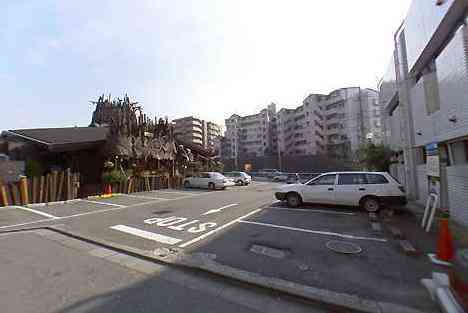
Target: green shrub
[(113, 177), (34, 168)]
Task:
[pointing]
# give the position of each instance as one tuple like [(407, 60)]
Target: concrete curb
[(207, 263), (34, 205)]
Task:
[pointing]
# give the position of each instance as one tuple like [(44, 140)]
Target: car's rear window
[(376, 179)]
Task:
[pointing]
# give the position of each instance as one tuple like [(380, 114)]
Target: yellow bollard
[(24, 190), (3, 193)]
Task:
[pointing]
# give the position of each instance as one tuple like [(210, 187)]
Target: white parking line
[(145, 197), (146, 234), (35, 211), (220, 209), (188, 243), (313, 211), (326, 233), (182, 193), (105, 203)]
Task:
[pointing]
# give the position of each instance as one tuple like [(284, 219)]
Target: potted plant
[(111, 176)]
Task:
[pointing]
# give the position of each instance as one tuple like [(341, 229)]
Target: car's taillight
[(402, 189)]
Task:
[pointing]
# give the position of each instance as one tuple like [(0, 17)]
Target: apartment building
[(335, 124), (424, 93), (252, 135), (197, 131), (213, 134), (300, 131)]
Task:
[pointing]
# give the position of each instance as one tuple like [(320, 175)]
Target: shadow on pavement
[(381, 272)]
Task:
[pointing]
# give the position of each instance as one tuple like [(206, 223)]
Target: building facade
[(425, 95), (197, 131), (335, 124), (300, 131), (252, 135)]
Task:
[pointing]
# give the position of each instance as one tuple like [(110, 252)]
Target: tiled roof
[(61, 136)]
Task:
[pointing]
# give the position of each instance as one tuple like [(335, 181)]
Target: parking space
[(15, 215), (296, 245), (319, 220), (71, 208), (148, 220)]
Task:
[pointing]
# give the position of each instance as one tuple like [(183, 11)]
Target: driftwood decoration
[(134, 136)]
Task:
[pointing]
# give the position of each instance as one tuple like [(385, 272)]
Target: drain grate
[(343, 247), (268, 251)]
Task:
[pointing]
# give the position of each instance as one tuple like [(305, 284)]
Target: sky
[(208, 58)]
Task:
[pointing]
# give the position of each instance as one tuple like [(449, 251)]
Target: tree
[(374, 157)]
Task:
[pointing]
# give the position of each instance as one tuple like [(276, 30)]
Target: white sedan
[(210, 180), (370, 190)]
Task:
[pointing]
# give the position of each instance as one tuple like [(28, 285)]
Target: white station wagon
[(370, 190), (210, 180)]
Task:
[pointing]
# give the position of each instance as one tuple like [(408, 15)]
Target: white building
[(425, 95), (197, 131), (335, 124), (252, 135), (300, 131)]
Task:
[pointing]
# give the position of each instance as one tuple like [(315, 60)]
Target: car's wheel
[(370, 204), (211, 186), (186, 184), (240, 182), (294, 199)]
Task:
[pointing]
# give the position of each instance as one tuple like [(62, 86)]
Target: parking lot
[(244, 227)]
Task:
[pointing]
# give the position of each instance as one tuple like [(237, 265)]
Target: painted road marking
[(313, 211), (326, 233), (189, 193), (188, 243), (104, 203), (170, 222), (145, 197), (220, 209), (36, 212), (146, 234)]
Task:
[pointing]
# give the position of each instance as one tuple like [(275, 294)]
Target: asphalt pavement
[(42, 271), (245, 229)]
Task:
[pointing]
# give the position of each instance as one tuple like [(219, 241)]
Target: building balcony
[(197, 130), (197, 135), (197, 141), (197, 122)]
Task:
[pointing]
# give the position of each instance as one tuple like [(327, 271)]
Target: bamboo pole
[(41, 190), (130, 185), (4, 195), (54, 186), (60, 186), (23, 187), (68, 182), (34, 190), (147, 182), (76, 184), (15, 194), (46, 188), (76, 180)]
